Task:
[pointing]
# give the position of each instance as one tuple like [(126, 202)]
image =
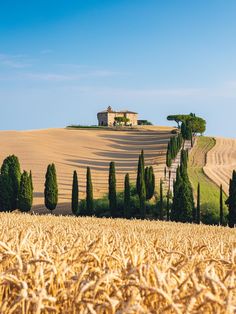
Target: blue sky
[(62, 61)]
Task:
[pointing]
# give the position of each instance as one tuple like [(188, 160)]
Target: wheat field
[(66, 264)]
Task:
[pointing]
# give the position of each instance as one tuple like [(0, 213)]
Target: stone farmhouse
[(110, 117)]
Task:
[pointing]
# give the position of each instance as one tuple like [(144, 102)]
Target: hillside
[(221, 161), (75, 149), (87, 265)]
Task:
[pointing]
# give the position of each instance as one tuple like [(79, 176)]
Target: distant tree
[(231, 201), (11, 169), (197, 124), (89, 194), (75, 194), (221, 205), (140, 172), (142, 161), (51, 188), (112, 190), (161, 200), (127, 213), (197, 218), (25, 193), (168, 156)]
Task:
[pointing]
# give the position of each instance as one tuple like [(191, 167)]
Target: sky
[(63, 61)]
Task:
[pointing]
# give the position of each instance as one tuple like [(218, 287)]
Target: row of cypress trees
[(173, 148), (16, 188), (145, 188)]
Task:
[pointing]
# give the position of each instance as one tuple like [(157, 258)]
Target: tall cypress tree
[(146, 178), (149, 182), (139, 175), (197, 216), (143, 160), (75, 194), (112, 190), (142, 199), (25, 193), (51, 188), (127, 213), (183, 202), (5, 193), (231, 201), (89, 193), (161, 200), (152, 182), (11, 169), (221, 205)]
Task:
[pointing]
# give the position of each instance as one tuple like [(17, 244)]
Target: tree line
[(139, 201)]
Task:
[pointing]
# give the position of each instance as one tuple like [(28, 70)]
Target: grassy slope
[(197, 159)]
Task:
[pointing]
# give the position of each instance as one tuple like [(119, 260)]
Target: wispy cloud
[(14, 61), (60, 77)]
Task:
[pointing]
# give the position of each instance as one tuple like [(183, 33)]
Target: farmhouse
[(110, 117)]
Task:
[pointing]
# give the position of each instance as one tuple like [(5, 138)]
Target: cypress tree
[(149, 182), (25, 193), (221, 205), (51, 188), (75, 194), (183, 202), (127, 213), (168, 157), (152, 182), (89, 193), (142, 199), (142, 161), (161, 200), (112, 189), (5, 193), (146, 178), (11, 168), (32, 185), (231, 201), (139, 175), (197, 216), (31, 180)]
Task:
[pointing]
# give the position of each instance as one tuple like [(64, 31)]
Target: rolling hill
[(75, 149), (221, 161)]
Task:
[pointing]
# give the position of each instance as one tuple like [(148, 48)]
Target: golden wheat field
[(87, 265)]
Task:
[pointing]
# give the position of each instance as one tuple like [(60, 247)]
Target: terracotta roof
[(113, 111)]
